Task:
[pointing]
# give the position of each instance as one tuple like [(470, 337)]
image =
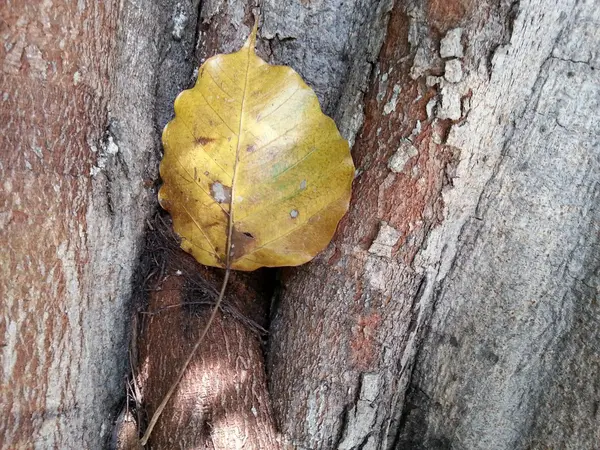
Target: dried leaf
[(253, 166)]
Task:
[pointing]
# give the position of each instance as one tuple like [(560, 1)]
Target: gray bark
[(512, 351), (79, 161)]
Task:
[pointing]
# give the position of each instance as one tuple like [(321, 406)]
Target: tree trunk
[(457, 306), (74, 202)]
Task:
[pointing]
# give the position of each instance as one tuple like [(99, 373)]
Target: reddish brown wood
[(350, 313), (54, 67), (222, 400)]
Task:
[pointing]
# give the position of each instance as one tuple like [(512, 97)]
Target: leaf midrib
[(235, 163)]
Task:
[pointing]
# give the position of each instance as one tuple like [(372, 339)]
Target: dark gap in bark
[(177, 59), (199, 297), (161, 252), (148, 270), (197, 30)]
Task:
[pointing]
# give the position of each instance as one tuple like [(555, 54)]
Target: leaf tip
[(251, 41)]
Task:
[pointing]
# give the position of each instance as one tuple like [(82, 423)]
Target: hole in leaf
[(220, 192)]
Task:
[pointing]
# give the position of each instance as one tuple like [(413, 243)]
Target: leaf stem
[(169, 394)]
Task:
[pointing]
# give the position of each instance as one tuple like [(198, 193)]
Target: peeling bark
[(513, 335), (473, 310)]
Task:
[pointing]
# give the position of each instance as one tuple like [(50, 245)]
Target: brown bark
[(76, 189), (54, 68), (434, 261), (222, 400), (355, 304)]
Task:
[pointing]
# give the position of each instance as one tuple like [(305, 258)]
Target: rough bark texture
[(513, 350), (222, 400), (68, 245), (78, 164), (458, 304), (471, 246)]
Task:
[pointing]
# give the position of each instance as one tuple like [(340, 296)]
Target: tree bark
[(78, 160), (222, 399), (457, 306), (69, 226)]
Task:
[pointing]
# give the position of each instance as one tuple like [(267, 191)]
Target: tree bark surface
[(231, 407), (512, 352), (78, 164), (457, 306)]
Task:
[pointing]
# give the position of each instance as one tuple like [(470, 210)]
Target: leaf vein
[(201, 231), (275, 139), (279, 106), (221, 88), (202, 248), (296, 163), (224, 72), (200, 186), (215, 111), (189, 127), (292, 230), (205, 152)]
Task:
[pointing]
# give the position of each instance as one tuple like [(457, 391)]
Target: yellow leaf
[(253, 166)]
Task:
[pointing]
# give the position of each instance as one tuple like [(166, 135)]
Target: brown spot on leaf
[(202, 140), (251, 148), (242, 242)]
